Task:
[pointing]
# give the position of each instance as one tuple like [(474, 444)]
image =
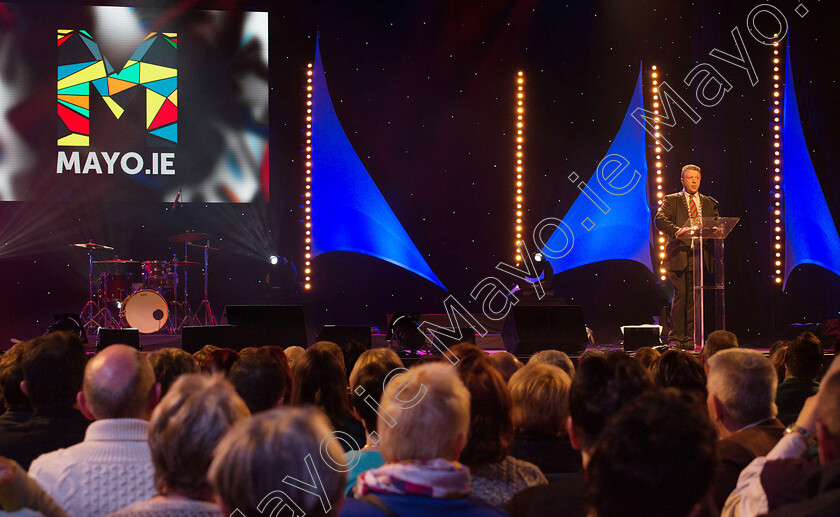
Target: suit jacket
[(738, 450), (671, 216)]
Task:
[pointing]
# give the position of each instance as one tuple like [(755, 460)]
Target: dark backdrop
[(424, 91)]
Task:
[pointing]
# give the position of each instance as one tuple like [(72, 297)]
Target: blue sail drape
[(348, 211), (810, 234), (616, 225)]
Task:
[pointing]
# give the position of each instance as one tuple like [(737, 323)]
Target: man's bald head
[(119, 383)]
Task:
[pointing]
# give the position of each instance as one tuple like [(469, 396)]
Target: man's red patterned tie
[(692, 208)]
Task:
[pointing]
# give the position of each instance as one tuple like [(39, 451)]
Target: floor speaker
[(531, 328), (130, 337), (343, 334), (263, 325), (194, 339)]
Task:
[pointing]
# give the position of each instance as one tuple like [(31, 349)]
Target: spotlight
[(274, 259)]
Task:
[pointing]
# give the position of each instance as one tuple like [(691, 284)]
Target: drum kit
[(158, 301)]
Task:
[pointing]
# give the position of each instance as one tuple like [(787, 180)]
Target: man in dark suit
[(741, 401), (676, 209)]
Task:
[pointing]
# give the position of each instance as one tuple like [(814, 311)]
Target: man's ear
[(83, 406), (719, 410), (573, 438), (23, 388), (154, 395)]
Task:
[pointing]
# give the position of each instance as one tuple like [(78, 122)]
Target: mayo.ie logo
[(153, 66)]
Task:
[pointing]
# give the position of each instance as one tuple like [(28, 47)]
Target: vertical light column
[(654, 74), (520, 168), (777, 169), (307, 207)]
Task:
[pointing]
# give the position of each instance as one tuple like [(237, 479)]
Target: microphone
[(177, 197)]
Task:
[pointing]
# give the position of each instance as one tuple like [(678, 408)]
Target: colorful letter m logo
[(152, 66)]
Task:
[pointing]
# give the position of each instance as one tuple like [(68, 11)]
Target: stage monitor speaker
[(262, 325), (130, 337), (194, 339), (635, 337), (343, 334), (531, 328)]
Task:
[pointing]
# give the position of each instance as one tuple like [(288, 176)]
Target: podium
[(700, 229)]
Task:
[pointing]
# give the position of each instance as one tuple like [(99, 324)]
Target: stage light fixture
[(307, 194), (519, 154), (658, 164), (777, 169), (274, 259)]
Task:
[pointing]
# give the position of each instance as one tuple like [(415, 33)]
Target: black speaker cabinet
[(130, 337), (531, 328), (262, 325), (635, 337), (194, 339), (343, 334)]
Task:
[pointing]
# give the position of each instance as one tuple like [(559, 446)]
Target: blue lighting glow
[(613, 222), (810, 234), (348, 211)]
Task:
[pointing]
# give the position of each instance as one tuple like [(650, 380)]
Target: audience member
[(496, 476), (295, 354), (169, 364), (556, 358), (777, 359), (422, 476), (18, 491), (18, 407), (351, 352), (803, 364), (604, 383), (53, 367), (681, 370), (506, 363), (260, 455), (330, 347), (742, 390), (259, 380), (184, 429), (219, 361), (788, 475), (717, 341), (202, 354), (112, 467), (319, 379), (367, 381), (656, 458), (540, 394), (645, 356)]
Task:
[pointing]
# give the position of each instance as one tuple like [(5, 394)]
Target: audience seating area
[(350, 431)]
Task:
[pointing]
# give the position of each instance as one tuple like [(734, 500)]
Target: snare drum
[(157, 274), (114, 287), (145, 310)]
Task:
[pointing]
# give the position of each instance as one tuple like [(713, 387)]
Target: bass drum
[(145, 310)]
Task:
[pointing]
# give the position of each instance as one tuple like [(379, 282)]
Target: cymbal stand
[(90, 312), (110, 321), (185, 305), (209, 319), (179, 307)]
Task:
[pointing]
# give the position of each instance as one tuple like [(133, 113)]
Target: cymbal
[(92, 246), (115, 261), (185, 263), (205, 246), (188, 237)]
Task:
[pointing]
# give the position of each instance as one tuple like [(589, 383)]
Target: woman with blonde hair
[(540, 394)]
